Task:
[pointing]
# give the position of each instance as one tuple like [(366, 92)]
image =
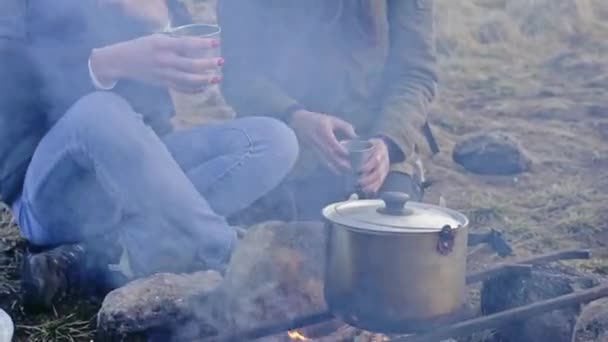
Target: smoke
[(276, 275)]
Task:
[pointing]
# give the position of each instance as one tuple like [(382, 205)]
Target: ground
[(537, 70)]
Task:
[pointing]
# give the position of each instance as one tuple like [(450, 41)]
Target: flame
[(295, 335)]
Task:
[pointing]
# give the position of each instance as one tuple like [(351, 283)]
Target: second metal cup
[(358, 151)]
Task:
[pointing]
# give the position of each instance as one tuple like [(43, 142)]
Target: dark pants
[(311, 195)]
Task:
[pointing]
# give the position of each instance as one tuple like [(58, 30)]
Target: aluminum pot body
[(395, 282)]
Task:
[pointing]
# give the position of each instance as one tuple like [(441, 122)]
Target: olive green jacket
[(279, 54)]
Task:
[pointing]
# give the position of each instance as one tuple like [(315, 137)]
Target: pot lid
[(393, 214)]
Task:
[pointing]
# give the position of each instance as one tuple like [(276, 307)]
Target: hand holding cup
[(187, 103), (376, 167), (358, 153), (158, 59), (208, 56)]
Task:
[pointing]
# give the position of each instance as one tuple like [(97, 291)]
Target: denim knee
[(106, 118), (279, 140), (99, 108)]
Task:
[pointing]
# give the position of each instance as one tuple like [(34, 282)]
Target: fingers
[(336, 163), (338, 125), (339, 164), (376, 156), (373, 160), (375, 169), (190, 83), (333, 145), (371, 182), (330, 163), (191, 45), (370, 171), (368, 180), (190, 74), (334, 153), (344, 127), (194, 66)]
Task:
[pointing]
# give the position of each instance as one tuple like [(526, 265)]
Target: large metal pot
[(395, 266)]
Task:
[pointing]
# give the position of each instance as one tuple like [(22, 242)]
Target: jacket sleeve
[(246, 89), (65, 73), (410, 79), (60, 55)]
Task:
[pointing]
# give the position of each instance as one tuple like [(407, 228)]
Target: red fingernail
[(216, 80), (215, 43), (220, 62)]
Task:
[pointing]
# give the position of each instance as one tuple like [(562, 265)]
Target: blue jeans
[(100, 170)]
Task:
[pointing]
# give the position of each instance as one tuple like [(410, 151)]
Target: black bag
[(22, 119)]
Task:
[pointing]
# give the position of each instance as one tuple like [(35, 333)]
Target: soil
[(537, 70)]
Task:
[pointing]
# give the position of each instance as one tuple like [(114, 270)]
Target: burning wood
[(297, 336)]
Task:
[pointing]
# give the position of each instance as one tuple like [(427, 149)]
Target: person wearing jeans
[(111, 168), (101, 171)]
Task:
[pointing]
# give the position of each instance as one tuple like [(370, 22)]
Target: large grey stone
[(493, 153), (157, 303)]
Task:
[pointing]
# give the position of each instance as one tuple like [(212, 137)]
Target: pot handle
[(394, 202), (445, 243)]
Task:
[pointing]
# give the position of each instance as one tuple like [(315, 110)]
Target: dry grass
[(65, 328)]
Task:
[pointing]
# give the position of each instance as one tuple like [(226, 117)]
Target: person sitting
[(111, 169), (337, 70)]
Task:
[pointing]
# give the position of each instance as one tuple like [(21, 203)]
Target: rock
[(503, 293), (493, 153), (275, 274), (592, 324), (155, 303)]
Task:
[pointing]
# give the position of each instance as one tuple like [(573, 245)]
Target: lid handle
[(394, 202)]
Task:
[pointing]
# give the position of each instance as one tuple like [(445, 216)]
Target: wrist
[(293, 113), (104, 64), (394, 151)]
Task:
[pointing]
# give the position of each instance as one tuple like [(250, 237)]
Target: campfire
[(297, 329), (289, 311), (297, 336)]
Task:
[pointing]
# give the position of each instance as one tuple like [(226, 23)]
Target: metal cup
[(358, 151), (189, 105), (198, 31)]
